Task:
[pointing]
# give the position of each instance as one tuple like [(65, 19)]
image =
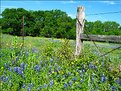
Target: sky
[(70, 7)]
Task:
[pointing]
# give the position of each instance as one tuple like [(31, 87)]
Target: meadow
[(49, 64)]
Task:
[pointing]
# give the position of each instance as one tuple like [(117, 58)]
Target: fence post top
[(80, 8)]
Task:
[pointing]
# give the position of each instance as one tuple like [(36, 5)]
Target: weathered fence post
[(79, 29)]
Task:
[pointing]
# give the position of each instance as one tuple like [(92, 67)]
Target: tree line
[(53, 23)]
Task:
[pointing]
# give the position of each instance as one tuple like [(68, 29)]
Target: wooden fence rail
[(80, 36), (101, 38)]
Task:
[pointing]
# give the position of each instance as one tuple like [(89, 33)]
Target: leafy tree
[(53, 23)]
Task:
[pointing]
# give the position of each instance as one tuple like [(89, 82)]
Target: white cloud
[(72, 15), (109, 2), (68, 2)]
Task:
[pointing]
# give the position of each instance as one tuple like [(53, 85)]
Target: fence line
[(93, 38)]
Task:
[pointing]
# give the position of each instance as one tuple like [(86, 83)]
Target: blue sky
[(70, 7)]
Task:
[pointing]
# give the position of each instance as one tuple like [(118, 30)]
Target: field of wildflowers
[(50, 65)]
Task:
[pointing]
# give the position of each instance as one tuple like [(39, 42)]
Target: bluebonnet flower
[(51, 82), (118, 81), (15, 69), (17, 58), (92, 79), (90, 65), (102, 63), (63, 76), (39, 88), (113, 88), (10, 77), (65, 85), (29, 89), (37, 68), (6, 65), (35, 50), (45, 85), (51, 60), (81, 75), (103, 78), (27, 53), (92, 89), (22, 65), (40, 62), (4, 72), (31, 85), (24, 86), (70, 83), (4, 78), (95, 68), (110, 69), (69, 73), (74, 79), (83, 70), (10, 69), (82, 80), (18, 70)]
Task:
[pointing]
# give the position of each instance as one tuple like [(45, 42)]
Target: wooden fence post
[(79, 29)]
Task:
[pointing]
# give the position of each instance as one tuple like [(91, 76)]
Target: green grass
[(47, 64), (39, 43)]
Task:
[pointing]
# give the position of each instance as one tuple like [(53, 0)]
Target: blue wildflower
[(51, 82), (39, 88), (82, 80), (29, 89), (27, 53), (92, 79), (51, 60), (118, 81), (90, 65), (70, 83), (92, 89), (74, 79), (113, 88), (24, 86), (35, 50), (17, 58), (69, 73), (40, 62), (102, 63), (45, 85), (22, 65), (15, 69), (4, 78), (37, 68), (10, 77), (65, 85), (6, 65), (10, 69), (31, 85), (103, 78), (4, 72), (83, 70), (18, 70)]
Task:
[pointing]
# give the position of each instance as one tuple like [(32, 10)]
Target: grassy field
[(38, 42), (49, 64)]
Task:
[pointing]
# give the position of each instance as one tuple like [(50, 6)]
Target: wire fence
[(101, 54)]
